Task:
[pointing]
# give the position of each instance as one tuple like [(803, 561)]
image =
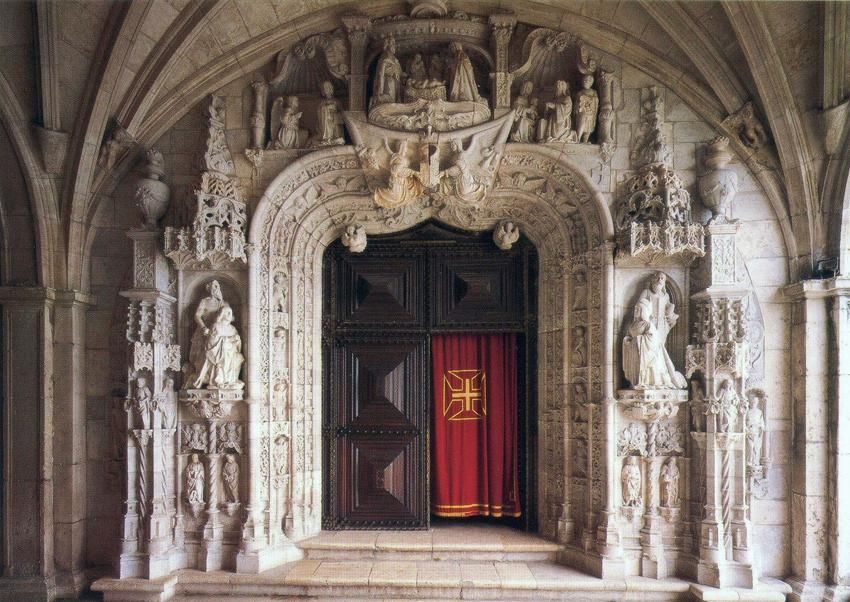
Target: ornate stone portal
[(430, 125)]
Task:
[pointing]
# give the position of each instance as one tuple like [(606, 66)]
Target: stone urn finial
[(152, 194), (718, 184)]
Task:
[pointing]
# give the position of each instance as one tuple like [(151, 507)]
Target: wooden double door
[(381, 308)]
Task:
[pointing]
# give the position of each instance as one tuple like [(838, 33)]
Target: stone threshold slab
[(429, 580)]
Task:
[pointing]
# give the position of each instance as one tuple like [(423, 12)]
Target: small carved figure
[(230, 437), (404, 185), (195, 436), (205, 314), (697, 407), (223, 358), (290, 126), (329, 130), (354, 238), (279, 292), (728, 406), (750, 131), (670, 478), (417, 74), (112, 149), (580, 290), (168, 407), (505, 235), (755, 426), (631, 482), (142, 401), (436, 68), (461, 76), (388, 76), (280, 455), (587, 105), (556, 125), (230, 478), (646, 363), (579, 355), (463, 179), (525, 114), (580, 393), (194, 477)]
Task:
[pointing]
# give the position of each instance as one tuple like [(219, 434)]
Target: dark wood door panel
[(475, 291), (380, 384), (381, 290), (384, 482)]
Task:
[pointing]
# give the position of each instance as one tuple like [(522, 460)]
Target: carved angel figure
[(646, 363), (388, 76), (556, 125), (230, 478), (329, 130), (587, 105), (461, 76), (631, 482), (194, 480), (525, 114), (463, 179), (403, 186), (289, 131), (223, 357), (505, 235), (354, 238), (670, 478), (205, 314)]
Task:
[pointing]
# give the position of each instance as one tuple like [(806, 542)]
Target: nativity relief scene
[(449, 300)]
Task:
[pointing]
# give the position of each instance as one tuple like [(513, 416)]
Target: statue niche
[(646, 363), (431, 87)]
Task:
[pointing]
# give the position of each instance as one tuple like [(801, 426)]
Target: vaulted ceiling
[(79, 66)]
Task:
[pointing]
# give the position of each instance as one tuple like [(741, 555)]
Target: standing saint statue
[(587, 105), (631, 481), (194, 479), (670, 478), (329, 130), (388, 76), (205, 314), (646, 363), (755, 426), (230, 477), (461, 76), (223, 355), (525, 114), (556, 125)]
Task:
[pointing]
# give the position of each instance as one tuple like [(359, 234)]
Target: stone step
[(497, 544), (417, 580)]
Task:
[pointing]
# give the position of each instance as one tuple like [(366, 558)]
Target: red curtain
[(474, 448)]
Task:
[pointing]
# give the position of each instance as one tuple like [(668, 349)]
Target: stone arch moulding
[(303, 210)]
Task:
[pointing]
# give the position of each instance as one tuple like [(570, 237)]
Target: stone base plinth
[(212, 404)]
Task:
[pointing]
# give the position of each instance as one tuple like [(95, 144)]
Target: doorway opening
[(382, 310)]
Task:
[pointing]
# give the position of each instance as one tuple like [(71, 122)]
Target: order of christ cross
[(464, 395)]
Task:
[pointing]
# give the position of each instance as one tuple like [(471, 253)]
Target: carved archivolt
[(316, 199)]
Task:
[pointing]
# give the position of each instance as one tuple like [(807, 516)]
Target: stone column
[(211, 556), (608, 533), (69, 447), (501, 28), (810, 463), (26, 326), (258, 115), (721, 356), (358, 36)]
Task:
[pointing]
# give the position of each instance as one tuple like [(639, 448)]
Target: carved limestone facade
[(485, 124)]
